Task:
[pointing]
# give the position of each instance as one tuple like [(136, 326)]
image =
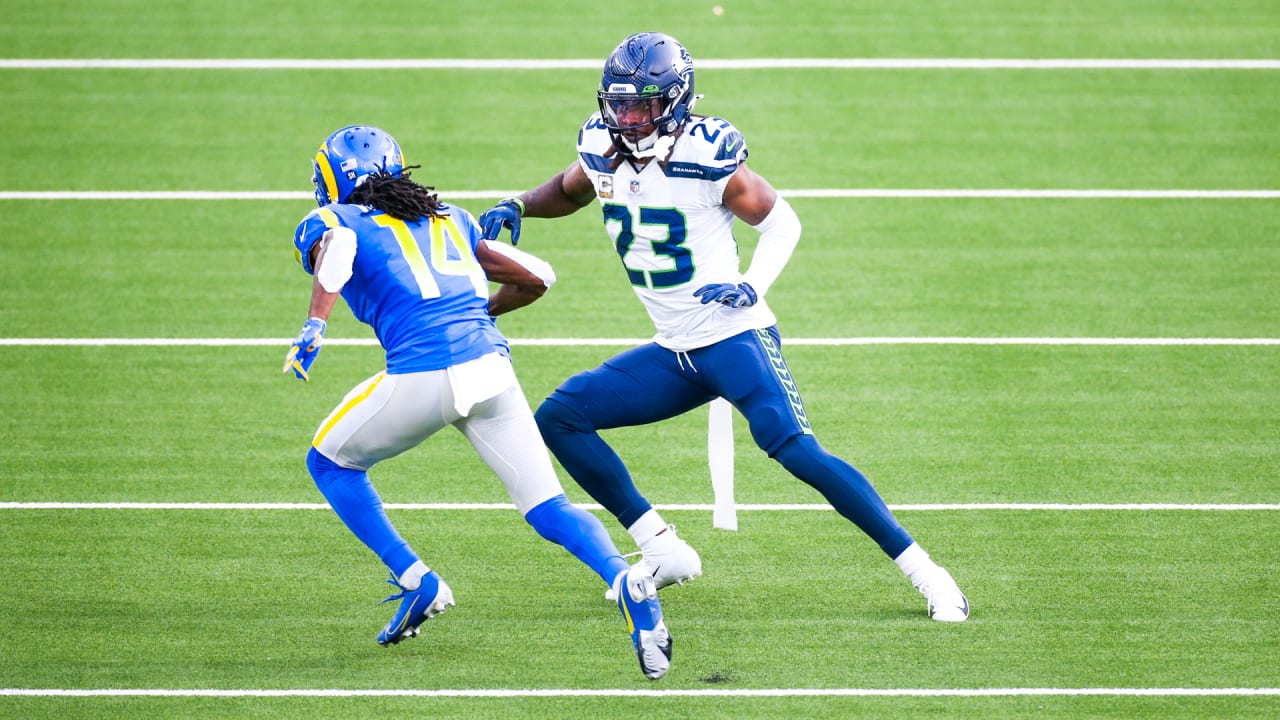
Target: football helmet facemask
[(350, 155), (646, 91)]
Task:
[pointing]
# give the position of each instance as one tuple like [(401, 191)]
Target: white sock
[(913, 560), (647, 527), (411, 579)]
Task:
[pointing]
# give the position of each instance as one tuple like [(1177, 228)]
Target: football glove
[(505, 214), (735, 296), (304, 350)]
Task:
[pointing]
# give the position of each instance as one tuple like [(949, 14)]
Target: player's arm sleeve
[(779, 233), (539, 267), (339, 259), (310, 232)]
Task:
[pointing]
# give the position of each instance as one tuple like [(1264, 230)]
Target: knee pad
[(803, 456), (556, 415), (326, 472), (774, 428), (319, 465)]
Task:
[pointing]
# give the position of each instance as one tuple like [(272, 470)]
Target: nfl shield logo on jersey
[(635, 186)]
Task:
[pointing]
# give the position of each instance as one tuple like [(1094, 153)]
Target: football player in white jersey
[(415, 269), (670, 184)]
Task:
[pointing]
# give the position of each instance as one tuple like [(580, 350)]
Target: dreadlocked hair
[(397, 195)]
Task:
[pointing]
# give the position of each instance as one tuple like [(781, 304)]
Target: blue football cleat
[(637, 598), (431, 598)]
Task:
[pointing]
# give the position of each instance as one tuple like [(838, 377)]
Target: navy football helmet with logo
[(646, 91), (348, 156)]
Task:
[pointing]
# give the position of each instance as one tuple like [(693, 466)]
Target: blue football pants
[(649, 383)]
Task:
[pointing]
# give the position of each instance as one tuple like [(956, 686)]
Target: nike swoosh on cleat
[(409, 613)]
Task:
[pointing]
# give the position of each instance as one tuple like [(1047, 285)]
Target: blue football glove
[(505, 214), (735, 296), (304, 350)]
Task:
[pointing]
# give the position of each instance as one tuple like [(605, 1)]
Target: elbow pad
[(339, 259), (533, 264), (779, 233)]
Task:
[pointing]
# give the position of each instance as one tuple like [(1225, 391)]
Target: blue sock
[(590, 461), (357, 503), (847, 489), (579, 532)]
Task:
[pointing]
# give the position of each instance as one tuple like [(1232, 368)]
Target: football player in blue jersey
[(416, 270), (670, 184)]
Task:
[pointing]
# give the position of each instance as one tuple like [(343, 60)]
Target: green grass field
[(237, 612)]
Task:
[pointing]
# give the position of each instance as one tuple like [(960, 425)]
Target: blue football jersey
[(417, 284)]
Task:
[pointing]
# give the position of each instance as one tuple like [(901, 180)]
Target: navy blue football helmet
[(647, 82), (348, 156)]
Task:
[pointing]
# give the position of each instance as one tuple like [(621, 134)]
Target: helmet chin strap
[(660, 149)]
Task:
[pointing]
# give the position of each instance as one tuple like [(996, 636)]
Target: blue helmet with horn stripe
[(348, 156)]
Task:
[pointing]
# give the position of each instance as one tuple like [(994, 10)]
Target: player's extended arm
[(332, 259), (523, 278), (563, 194), (751, 198)]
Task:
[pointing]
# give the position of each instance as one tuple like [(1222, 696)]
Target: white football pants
[(389, 414)]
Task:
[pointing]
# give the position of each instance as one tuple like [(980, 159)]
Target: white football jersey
[(671, 229)]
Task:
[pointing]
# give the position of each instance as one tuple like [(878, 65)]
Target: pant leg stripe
[(783, 374)]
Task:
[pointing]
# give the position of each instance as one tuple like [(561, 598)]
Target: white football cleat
[(946, 602), (668, 560)]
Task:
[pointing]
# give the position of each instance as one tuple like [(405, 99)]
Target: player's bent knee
[(555, 417), (318, 464), (801, 450), (773, 429), (325, 472)]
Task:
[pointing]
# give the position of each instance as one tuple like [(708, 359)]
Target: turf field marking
[(746, 507), (628, 342), (594, 64), (993, 194), (717, 693)]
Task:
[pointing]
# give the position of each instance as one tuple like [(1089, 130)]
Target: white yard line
[(629, 342), (594, 64), (885, 193), (745, 507), (623, 692)]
